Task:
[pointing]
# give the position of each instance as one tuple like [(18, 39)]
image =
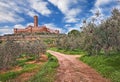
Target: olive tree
[(9, 51)]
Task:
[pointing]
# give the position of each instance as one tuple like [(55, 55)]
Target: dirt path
[(73, 70)]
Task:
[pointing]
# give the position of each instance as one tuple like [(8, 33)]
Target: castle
[(35, 29)]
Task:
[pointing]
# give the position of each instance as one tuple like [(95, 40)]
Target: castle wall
[(35, 28)]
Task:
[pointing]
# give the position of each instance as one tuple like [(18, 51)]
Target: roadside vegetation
[(14, 58), (22, 66), (94, 38), (30, 57), (98, 42), (108, 67), (48, 71), (69, 52)]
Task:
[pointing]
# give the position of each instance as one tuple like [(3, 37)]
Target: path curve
[(72, 70)]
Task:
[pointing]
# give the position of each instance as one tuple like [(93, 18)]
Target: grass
[(12, 74), (25, 68), (48, 71), (107, 66), (70, 52)]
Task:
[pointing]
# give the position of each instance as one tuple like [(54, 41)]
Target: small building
[(35, 28)]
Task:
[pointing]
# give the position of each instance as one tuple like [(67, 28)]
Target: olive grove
[(94, 38)]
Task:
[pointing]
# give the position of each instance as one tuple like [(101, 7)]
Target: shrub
[(34, 48), (0, 41), (10, 51), (8, 54)]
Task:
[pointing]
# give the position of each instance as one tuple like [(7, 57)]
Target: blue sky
[(63, 15)]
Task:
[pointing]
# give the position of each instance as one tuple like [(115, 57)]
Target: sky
[(63, 15)]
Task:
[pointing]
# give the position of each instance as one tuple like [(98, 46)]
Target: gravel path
[(72, 70)]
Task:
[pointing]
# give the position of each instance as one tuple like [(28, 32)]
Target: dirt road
[(73, 70)]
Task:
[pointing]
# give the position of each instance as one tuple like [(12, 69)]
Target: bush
[(10, 51), (0, 41), (8, 54), (34, 48)]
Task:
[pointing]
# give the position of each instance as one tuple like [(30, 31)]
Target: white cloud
[(19, 26), (10, 10), (7, 13), (75, 27), (104, 11), (99, 11), (32, 24), (67, 8), (40, 6), (54, 27), (6, 30), (72, 28), (102, 2), (32, 13), (9, 29), (70, 19), (67, 25)]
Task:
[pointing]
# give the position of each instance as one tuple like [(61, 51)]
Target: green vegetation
[(14, 58), (107, 66), (48, 71), (101, 43), (49, 42), (93, 37), (13, 74), (0, 41), (11, 50), (69, 52)]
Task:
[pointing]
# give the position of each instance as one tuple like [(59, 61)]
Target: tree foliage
[(11, 50), (94, 38)]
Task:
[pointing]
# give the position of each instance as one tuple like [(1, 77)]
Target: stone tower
[(35, 21)]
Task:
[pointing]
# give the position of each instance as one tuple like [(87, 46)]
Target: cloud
[(75, 27), (72, 28), (9, 29), (68, 8), (103, 8), (19, 26), (67, 25), (7, 13), (97, 10), (54, 27), (40, 6), (99, 3), (31, 13), (6, 30), (10, 10), (32, 24), (70, 19)]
